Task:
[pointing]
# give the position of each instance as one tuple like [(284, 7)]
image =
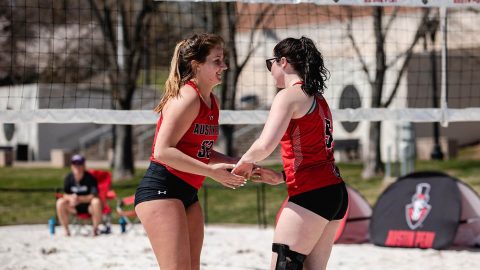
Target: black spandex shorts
[(158, 183), (82, 208), (329, 202)]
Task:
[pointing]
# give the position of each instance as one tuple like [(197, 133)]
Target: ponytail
[(173, 83), (307, 62), (314, 72)]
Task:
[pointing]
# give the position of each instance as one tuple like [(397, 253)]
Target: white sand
[(232, 248)]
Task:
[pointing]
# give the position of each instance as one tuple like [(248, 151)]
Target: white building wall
[(20, 97), (344, 66)]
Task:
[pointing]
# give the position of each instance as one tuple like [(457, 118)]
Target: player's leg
[(299, 229), (318, 258), (195, 231), (165, 222), (320, 254), (305, 220)]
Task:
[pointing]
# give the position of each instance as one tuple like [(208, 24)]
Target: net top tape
[(144, 117), (409, 3)]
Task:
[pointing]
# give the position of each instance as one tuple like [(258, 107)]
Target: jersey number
[(328, 133), (205, 148)]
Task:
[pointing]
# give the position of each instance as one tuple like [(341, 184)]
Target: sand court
[(225, 247)]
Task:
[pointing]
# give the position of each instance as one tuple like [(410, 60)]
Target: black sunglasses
[(269, 62)]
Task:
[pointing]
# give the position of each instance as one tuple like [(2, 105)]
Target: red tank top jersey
[(307, 150), (198, 141)]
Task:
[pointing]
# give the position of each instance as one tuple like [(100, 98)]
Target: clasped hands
[(237, 175), (258, 174)]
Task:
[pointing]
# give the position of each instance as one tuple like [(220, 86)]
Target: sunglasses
[(269, 62)]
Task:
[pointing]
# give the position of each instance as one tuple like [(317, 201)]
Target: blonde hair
[(197, 48)]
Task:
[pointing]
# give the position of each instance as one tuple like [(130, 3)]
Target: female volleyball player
[(300, 120), (166, 199)]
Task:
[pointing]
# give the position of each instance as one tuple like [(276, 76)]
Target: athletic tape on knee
[(287, 259)]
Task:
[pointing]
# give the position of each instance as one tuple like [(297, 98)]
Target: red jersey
[(198, 141), (307, 150)]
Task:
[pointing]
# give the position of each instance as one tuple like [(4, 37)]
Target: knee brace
[(287, 259)]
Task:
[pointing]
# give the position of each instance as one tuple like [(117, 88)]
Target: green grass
[(28, 207), (223, 205)]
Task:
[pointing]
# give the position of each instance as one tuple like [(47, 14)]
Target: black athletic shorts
[(329, 202), (82, 208), (158, 183)]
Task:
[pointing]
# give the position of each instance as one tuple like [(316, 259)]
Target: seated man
[(81, 190)]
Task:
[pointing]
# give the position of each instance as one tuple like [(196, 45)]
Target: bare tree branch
[(139, 59), (355, 46), (125, 27), (380, 57), (249, 54), (108, 24), (397, 57), (145, 44), (110, 38), (142, 23), (474, 10), (105, 26), (139, 24), (264, 14), (421, 30), (243, 10), (231, 24), (390, 21), (98, 15)]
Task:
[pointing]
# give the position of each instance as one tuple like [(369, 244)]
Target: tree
[(14, 34), (373, 162), (34, 51), (125, 48), (229, 24)]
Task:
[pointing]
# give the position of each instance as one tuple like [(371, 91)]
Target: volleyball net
[(106, 62)]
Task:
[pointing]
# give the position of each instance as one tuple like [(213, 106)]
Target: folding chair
[(128, 216), (104, 183)]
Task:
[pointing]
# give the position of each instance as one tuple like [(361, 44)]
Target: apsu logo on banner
[(417, 211), (420, 210)]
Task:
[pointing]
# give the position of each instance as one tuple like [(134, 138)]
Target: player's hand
[(243, 169), (265, 175), (220, 173)]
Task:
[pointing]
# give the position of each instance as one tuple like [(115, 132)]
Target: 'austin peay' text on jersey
[(198, 141)]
